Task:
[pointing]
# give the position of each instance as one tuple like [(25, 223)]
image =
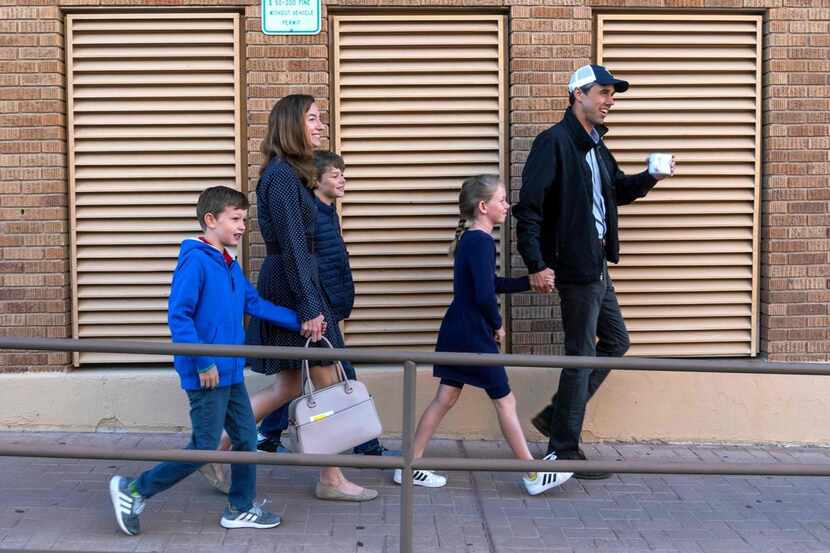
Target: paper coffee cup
[(659, 164)]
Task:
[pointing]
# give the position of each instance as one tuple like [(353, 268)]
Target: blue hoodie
[(208, 300)]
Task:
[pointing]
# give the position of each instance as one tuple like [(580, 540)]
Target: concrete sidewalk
[(64, 505)]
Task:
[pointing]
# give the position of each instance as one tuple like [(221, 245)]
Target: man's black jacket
[(555, 221)]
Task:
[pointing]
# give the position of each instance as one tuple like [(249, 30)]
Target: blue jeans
[(210, 411), (594, 326), (273, 425)]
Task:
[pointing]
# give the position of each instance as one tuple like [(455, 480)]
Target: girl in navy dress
[(473, 324)]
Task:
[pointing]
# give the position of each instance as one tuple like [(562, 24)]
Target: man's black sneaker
[(541, 421), (589, 475), (592, 475)]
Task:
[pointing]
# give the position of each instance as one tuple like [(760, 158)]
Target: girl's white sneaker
[(425, 478), (545, 480)]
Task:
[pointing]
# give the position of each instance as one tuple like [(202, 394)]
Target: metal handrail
[(429, 463), (406, 462), (746, 366)]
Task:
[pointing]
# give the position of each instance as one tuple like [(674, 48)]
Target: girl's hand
[(500, 335), (314, 328)]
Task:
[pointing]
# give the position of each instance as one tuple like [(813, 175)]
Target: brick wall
[(278, 66), (34, 261), (795, 222), (795, 273), (546, 43)]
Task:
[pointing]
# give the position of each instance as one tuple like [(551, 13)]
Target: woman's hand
[(314, 328), (500, 335)]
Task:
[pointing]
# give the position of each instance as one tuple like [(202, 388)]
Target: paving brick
[(628, 513)]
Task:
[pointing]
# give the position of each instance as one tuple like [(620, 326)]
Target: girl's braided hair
[(479, 188)]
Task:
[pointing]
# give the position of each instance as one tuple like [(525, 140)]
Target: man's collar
[(581, 137)]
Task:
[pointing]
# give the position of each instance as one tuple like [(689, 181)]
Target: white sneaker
[(425, 478), (127, 505), (254, 517), (545, 480)]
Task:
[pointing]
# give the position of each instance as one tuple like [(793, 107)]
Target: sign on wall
[(291, 17)]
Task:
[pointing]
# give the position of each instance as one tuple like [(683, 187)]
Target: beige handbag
[(333, 419)]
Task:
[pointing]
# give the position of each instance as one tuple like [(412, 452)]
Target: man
[(567, 231)]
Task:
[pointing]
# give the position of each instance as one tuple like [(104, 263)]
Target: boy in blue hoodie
[(208, 299)]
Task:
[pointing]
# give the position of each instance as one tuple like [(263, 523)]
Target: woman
[(287, 214)]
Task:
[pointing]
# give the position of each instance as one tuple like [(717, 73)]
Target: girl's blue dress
[(473, 316)]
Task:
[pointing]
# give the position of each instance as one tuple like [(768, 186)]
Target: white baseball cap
[(592, 73)]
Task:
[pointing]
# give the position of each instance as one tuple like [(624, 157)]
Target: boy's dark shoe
[(273, 444), (254, 517), (377, 450), (269, 444), (126, 504)]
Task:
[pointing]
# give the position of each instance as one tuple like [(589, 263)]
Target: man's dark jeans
[(589, 311), (226, 407), (273, 425)]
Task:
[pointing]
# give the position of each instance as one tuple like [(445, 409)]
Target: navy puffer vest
[(333, 262)]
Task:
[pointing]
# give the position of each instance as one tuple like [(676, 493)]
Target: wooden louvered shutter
[(418, 106), (153, 104), (688, 279)]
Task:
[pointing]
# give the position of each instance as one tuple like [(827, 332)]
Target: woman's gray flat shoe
[(212, 472), (330, 493)]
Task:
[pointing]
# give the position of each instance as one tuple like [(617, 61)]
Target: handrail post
[(410, 373)]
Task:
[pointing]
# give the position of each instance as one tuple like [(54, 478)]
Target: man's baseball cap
[(588, 74)]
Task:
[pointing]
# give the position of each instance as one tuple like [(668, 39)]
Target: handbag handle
[(307, 386)]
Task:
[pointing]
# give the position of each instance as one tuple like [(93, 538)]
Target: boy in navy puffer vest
[(335, 280), (330, 249)]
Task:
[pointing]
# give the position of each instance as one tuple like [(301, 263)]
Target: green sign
[(291, 17)]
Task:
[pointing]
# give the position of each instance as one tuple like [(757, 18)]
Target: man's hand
[(314, 328), (209, 379), (542, 281), (658, 178)]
